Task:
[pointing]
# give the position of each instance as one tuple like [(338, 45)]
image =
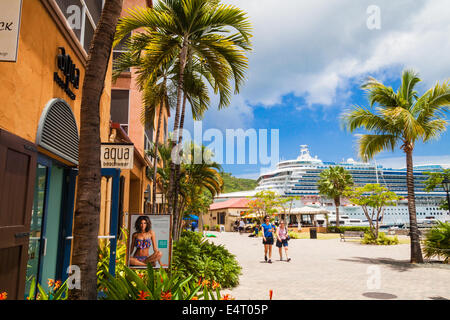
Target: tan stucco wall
[(27, 85), (231, 215)]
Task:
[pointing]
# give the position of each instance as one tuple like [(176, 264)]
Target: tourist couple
[(267, 230)]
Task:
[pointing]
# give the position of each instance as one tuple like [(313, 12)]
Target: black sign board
[(70, 73)]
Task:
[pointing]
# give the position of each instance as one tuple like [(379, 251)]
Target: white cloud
[(313, 48)]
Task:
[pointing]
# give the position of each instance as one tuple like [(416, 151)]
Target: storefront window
[(82, 17), (119, 107), (36, 226)]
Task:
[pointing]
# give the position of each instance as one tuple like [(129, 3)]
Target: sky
[(308, 62)]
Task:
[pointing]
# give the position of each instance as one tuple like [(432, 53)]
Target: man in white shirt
[(241, 226)]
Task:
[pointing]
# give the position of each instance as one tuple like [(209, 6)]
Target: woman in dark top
[(142, 240)]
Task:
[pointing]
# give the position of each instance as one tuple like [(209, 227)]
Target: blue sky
[(309, 59)]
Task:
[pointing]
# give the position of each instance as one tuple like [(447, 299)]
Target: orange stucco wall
[(136, 181), (27, 85)]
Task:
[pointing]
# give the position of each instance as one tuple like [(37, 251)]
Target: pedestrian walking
[(236, 225), (267, 230), (241, 226), (282, 240)]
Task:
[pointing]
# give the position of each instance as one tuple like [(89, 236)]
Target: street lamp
[(446, 186)]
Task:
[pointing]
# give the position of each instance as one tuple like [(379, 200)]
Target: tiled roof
[(240, 203)]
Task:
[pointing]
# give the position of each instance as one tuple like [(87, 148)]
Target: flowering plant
[(58, 290)]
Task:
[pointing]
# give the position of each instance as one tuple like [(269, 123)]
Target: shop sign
[(10, 11), (70, 74), (117, 156)]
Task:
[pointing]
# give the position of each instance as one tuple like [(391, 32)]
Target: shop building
[(226, 213), (39, 134), (126, 110)]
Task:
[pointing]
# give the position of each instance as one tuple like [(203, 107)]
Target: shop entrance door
[(17, 175)]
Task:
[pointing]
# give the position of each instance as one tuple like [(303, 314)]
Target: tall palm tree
[(195, 178), (332, 184), (400, 118), (87, 208), (156, 89), (182, 28)]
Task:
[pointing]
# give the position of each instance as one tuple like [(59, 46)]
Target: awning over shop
[(309, 210), (190, 217)]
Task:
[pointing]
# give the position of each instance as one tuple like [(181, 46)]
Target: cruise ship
[(299, 178)]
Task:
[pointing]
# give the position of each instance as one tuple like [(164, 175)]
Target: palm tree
[(179, 29), (332, 184), (195, 178), (87, 209), (400, 119)]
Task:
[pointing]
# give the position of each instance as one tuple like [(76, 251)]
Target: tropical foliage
[(58, 290), (372, 198), (332, 183), (437, 242), (203, 37), (199, 176), (400, 118), (264, 203), (233, 184), (380, 239), (195, 255), (435, 181)]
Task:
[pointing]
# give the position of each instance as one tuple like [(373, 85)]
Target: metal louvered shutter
[(58, 131)]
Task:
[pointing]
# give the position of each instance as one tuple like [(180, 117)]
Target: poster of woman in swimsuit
[(149, 241)]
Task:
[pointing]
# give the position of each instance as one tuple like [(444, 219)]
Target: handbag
[(287, 235)]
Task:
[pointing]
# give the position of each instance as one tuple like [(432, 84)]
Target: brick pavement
[(331, 269)]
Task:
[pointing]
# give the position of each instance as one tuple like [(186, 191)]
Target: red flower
[(57, 284), (205, 283), (143, 295), (3, 296), (227, 297), (166, 295), (200, 281), (141, 275), (215, 285), (51, 282), (194, 298), (270, 294)]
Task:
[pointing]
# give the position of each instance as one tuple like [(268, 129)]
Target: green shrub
[(294, 235), (206, 227), (334, 229), (217, 227), (437, 242), (196, 256), (150, 284), (104, 256), (381, 240), (58, 291)]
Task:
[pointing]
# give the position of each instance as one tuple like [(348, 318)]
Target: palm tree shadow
[(397, 265)]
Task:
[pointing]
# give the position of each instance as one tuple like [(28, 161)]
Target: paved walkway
[(331, 269)]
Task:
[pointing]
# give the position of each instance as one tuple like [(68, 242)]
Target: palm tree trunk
[(416, 252), (155, 160), (177, 209), (87, 212), (183, 59), (337, 203)]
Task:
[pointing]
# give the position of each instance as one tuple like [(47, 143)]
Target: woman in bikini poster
[(149, 242)]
